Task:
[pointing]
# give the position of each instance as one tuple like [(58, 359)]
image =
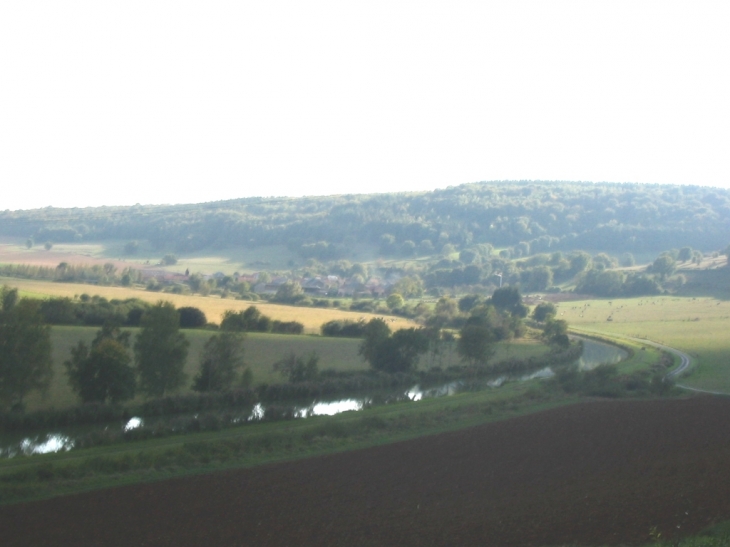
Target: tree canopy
[(102, 373), (160, 351), (25, 349)]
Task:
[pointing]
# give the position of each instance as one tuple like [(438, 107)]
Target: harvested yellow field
[(213, 306)]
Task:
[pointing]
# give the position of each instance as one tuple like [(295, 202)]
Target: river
[(43, 442)]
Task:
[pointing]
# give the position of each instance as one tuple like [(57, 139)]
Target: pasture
[(696, 325), (261, 351)]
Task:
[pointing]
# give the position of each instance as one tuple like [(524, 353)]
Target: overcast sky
[(179, 102)]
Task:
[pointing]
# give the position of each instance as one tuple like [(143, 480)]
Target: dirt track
[(596, 473)]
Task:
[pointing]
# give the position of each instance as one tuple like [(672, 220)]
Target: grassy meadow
[(261, 351), (699, 326)]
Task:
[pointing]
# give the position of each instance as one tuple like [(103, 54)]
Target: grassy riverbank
[(48, 475), (697, 326)]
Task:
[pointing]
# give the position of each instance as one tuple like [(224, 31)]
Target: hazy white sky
[(173, 102)]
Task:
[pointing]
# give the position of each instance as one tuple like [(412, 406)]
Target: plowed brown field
[(594, 473)]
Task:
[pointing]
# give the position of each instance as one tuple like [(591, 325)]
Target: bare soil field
[(597, 473)]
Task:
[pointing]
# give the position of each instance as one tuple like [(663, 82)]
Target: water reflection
[(42, 444), (330, 408), (594, 353), (133, 423), (257, 413)]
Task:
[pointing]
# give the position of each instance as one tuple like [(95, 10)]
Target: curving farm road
[(685, 362)]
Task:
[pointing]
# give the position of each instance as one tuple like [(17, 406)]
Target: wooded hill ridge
[(531, 216)]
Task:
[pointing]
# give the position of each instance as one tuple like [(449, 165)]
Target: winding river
[(43, 442)]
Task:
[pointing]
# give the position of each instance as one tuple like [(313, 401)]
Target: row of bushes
[(605, 381)]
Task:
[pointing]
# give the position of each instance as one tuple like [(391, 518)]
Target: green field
[(262, 350), (698, 326)]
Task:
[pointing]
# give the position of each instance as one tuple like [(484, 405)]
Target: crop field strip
[(212, 306)]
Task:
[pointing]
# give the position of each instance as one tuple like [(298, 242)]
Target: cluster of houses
[(319, 286), (325, 285)]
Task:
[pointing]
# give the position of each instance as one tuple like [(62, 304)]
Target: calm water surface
[(594, 354)]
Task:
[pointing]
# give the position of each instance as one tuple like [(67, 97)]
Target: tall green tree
[(160, 351), (476, 344), (25, 349), (664, 266), (509, 299), (556, 332), (220, 362), (392, 353), (544, 311), (103, 372)]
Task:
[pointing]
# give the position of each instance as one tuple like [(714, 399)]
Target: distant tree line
[(527, 217)]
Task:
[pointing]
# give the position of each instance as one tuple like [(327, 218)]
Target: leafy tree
[(191, 317), (664, 266), (219, 364), (250, 319), (509, 299), (104, 372), (466, 303), (395, 301), (289, 293), (476, 343), (29, 243), (556, 332), (169, 260), (392, 353), (160, 350), (297, 368), (544, 311), (48, 245), (580, 261), (376, 332), (600, 282), (25, 349)]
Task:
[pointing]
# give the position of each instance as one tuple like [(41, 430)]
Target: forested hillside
[(528, 216)]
